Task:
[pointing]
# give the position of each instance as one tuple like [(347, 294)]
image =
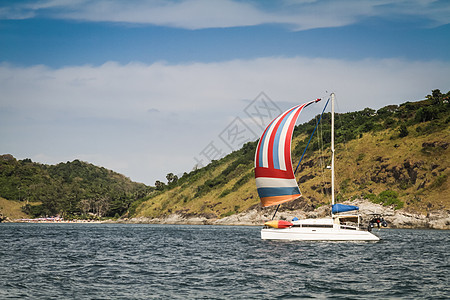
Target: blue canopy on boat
[(337, 208)]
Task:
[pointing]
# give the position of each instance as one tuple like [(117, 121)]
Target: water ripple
[(114, 261)]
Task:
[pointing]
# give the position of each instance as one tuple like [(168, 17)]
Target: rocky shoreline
[(438, 219), (401, 218)]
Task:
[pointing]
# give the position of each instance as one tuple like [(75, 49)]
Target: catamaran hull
[(318, 234)]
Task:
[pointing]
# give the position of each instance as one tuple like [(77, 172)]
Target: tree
[(437, 95), (171, 178), (425, 114), (102, 206), (85, 205), (159, 185)]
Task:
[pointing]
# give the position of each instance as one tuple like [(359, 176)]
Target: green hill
[(73, 190), (398, 155)]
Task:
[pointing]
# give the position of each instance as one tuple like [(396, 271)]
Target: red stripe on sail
[(273, 173)]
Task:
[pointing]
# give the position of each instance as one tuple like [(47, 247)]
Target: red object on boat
[(278, 224)]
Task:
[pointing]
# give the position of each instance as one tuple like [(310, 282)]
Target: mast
[(332, 148)]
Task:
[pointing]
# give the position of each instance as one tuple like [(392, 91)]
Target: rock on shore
[(257, 216)]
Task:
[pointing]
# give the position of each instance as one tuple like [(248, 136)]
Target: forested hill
[(397, 156), (72, 189)]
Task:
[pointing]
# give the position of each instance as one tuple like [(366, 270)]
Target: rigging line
[(311, 136), (278, 206)]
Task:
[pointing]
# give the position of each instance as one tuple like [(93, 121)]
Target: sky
[(151, 87)]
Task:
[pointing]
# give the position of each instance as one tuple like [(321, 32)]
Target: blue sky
[(143, 87)]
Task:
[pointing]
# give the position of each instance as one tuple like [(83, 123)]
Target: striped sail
[(275, 180)]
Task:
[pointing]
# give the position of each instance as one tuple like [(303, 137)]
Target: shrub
[(227, 214), (388, 198), (224, 193), (403, 131), (371, 197)]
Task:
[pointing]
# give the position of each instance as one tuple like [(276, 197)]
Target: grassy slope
[(181, 199), (375, 162), (11, 209)]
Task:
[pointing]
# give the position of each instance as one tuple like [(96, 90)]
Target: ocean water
[(119, 261)]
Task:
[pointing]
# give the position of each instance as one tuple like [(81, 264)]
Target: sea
[(128, 261)]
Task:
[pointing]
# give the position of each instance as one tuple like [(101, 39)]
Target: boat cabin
[(348, 221), (339, 221)]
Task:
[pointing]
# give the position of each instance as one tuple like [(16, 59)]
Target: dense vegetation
[(73, 190)]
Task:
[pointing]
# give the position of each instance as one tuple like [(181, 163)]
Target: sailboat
[(276, 184)]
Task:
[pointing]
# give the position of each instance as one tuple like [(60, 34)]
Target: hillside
[(73, 190), (397, 156)]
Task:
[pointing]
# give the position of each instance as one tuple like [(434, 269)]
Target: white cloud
[(148, 120), (198, 14)]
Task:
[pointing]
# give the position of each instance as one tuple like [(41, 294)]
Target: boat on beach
[(276, 184)]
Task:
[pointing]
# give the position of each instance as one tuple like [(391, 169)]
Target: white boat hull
[(317, 234)]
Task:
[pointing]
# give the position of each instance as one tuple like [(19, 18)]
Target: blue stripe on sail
[(276, 157), (278, 191)]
